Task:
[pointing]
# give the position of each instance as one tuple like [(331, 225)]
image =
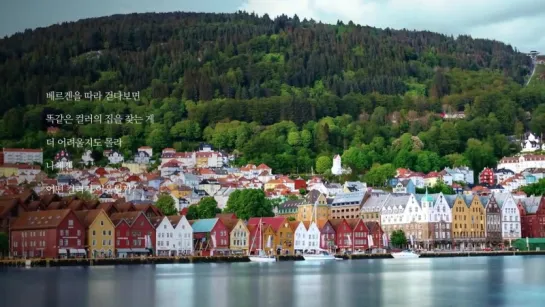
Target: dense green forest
[(284, 92)]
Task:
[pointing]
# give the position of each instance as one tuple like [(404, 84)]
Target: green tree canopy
[(398, 238), (249, 203), (166, 204), (207, 208), (323, 164)]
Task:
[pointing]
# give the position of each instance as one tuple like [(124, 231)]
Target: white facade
[(115, 157), (29, 156), (441, 211), (313, 237), (336, 169), (174, 240), (531, 144), (413, 212), (510, 218), (165, 238), (300, 238), (519, 163), (142, 157), (86, 158), (393, 212)]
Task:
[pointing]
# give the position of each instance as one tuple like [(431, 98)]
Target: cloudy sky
[(518, 22)]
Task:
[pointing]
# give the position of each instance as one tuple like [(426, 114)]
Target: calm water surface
[(478, 281)]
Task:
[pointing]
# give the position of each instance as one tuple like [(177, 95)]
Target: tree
[(291, 219), (535, 189), (398, 238), (323, 164), (207, 208), (479, 155), (379, 174), (86, 195), (4, 244), (165, 203), (192, 212), (249, 203)]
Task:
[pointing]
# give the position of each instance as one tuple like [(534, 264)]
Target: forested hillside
[(282, 92)]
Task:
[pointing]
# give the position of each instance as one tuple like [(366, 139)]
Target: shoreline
[(230, 259)]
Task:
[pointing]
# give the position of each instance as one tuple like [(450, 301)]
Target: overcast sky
[(518, 22)]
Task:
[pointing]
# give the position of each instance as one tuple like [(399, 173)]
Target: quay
[(230, 259)]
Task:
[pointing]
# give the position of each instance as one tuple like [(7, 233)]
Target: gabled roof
[(128, 217), (275, 222), (294, 225), (87, 217), (156, 220), (337, 222), (204, 225), (40, 219)]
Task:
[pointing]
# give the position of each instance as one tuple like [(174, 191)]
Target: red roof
[(40, 219), (274, 222)]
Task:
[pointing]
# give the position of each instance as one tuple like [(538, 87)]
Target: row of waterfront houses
[(92, 233), (432, 220)]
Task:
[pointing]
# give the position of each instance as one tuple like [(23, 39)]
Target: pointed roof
[(204, 225), (275, 222), (87, 217)]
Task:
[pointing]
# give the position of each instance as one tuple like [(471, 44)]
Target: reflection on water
[(472, 281)]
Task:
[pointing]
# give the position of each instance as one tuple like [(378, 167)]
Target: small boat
[(320, 255), (261, 255), (406, 254)]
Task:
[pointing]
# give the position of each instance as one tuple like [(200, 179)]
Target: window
[(65, 242), (70, 222), (109, 232), (94, 242), (94, 232), (79, 232), (60, 242), (101, 223), (79, 242)]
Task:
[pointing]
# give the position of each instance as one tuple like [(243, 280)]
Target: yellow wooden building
[(313, 200), (468, 222), (240, 238), (100, 238)]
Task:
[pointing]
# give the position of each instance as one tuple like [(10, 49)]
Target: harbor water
[(472, 281)]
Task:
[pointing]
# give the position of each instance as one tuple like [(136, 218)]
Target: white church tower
[(336, 169)]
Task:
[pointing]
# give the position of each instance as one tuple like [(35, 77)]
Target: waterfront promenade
[(231, 259)]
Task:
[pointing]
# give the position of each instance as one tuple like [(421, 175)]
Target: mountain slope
[(284, 92), (231, 56)]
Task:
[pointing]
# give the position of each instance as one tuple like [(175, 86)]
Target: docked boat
[(261, 254), (320, 255), (407, 254), (262, 257)]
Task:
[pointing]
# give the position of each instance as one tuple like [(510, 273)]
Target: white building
[(517, 164), (337, 169), (87, 159), (510, 216), (313, 237), (23, 155), (114, 157), (461, 174), (300, 238), (143, 155), (174, 236), (531, 143)]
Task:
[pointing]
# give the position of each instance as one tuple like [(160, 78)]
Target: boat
[(261, 255), (406, 254), (320, 255)]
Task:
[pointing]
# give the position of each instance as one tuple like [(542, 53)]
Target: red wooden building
[(327, 235), (48, 234), (134, 234), (359, 237), (487, 177), (210, 237), (533, 220), (376, 233)]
